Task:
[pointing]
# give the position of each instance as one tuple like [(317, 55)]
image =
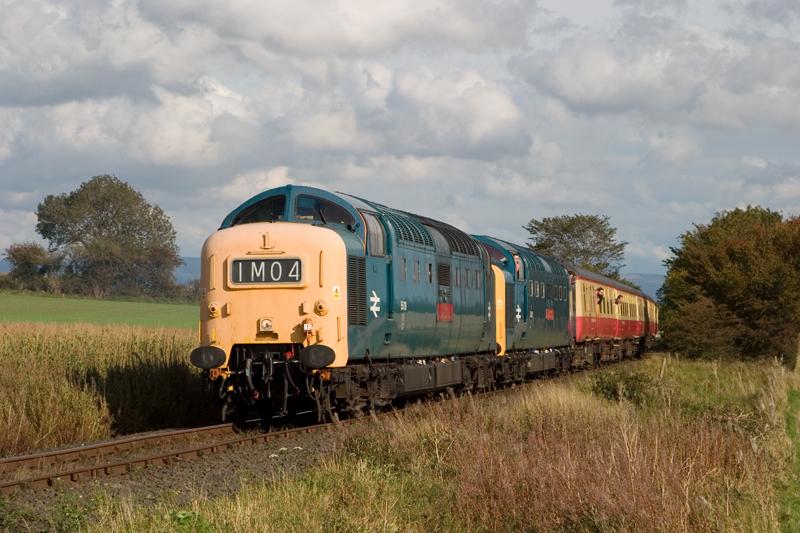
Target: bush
[(633, 387)]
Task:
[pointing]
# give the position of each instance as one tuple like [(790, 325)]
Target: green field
[(21, 307)]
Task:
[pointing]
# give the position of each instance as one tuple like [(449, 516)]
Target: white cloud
[(756, 162), (657, 113), (332, 130), (18, 225), (461, 113), (355, 28), (674, 146), (245, 185)]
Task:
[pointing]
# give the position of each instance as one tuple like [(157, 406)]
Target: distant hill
[(650, 283)]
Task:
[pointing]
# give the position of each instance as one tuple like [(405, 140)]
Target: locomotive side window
[(403, 262), (430, 273), (416, 270), (313, 208), (375, 238), (267, 210)]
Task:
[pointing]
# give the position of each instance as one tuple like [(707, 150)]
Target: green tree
[(586, 241), (32, 266), (113, 241), (731, 287)]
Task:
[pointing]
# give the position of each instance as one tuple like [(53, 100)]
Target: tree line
[(103, 239)]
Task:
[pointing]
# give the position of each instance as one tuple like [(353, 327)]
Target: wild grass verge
[(62, 384), (704, 449)]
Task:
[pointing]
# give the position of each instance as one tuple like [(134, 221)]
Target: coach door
[(572, 307)]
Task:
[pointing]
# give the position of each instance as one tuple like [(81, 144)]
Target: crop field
[(653, 445), (24, 307), (71, 383)]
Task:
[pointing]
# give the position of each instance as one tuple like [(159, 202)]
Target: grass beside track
[(71, 383), (26, 307), (658, 444), (790, 496)]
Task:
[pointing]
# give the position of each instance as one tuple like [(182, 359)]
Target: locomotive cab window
[(267, 210), (375, 238), (315, 209)]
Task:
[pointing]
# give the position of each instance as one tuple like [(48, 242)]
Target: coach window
[(430, 273), (416, 270), (375, 238), (403, 262), (316, 209), (457, 278), (266, 210)]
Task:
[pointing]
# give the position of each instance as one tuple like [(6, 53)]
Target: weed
[(634, 387)]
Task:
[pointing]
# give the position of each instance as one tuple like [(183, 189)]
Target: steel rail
[(50, 459), (87, 473)]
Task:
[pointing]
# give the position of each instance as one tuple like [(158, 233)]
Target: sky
[(483, 114)]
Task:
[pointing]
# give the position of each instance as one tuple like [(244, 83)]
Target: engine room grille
[(457, 240), (409, 230), (356, 291), (443, 274)]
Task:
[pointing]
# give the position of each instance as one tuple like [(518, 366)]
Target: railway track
[(85, 463), (95, 461)]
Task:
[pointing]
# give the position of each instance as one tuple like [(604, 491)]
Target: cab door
[(379, 287), (499, 277)]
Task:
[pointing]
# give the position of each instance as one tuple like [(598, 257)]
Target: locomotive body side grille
[(356, 291), (443, 274)]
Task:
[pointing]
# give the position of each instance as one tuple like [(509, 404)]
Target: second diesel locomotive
[(314, 301)]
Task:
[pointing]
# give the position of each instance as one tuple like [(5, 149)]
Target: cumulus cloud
[(653, 5), (483, 113), (354, 28), (18, 225), (461, 113), (782, 12), (674, 73)]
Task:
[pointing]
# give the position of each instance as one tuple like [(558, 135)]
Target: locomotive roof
[(542, 262), (412, 227)]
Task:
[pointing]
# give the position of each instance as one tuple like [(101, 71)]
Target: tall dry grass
[(704, 452), (63, 384)]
